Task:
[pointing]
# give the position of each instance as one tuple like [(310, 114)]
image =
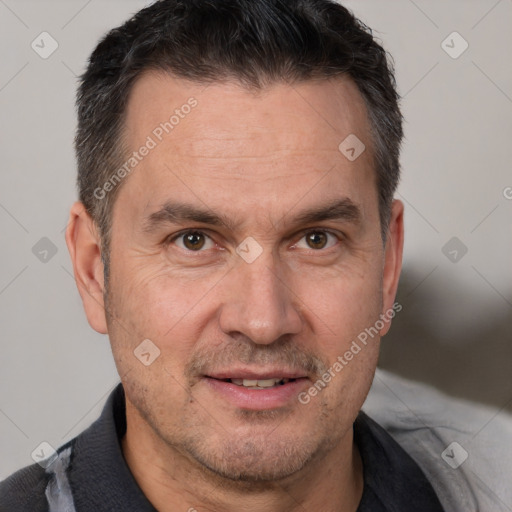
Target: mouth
[(257, 391), (260, 383)]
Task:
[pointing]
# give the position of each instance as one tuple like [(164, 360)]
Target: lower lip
[(258, 399)]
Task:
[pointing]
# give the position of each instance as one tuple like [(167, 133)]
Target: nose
[(259, 302)]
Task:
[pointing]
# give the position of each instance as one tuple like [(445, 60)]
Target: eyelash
[(171, 239)]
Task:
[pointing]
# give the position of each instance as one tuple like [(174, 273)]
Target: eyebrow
[(177, 213), (344, 210)]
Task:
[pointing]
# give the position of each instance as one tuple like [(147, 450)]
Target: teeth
[(259, 384), (268, 383)]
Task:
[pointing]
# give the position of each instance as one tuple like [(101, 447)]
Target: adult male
[(235, 236)]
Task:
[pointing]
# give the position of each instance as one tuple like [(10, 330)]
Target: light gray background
[(454, 331)]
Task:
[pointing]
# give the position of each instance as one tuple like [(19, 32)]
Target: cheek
[(158, 298), (351, 349), (340, 307), (170, 310), (345, 313)]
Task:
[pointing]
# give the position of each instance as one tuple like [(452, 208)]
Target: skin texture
[(259, 160)]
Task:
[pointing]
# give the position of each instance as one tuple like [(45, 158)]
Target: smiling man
[(235, 237)]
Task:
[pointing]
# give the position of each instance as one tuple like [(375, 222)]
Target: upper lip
[(244, 373)]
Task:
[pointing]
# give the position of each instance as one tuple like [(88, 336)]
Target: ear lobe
[(392, 261), (84, 248)]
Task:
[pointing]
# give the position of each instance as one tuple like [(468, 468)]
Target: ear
[(392, 263), (84, 248)]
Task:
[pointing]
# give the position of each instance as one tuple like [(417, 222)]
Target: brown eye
[(193, 241), (316, 239)]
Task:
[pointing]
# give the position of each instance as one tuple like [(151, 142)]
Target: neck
[(171, 480)]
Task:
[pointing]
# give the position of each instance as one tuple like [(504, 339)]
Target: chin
[(254, 459)]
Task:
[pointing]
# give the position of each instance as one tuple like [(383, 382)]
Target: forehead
[(316, 115), (266, 145)]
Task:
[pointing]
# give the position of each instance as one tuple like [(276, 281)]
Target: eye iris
[(316, 240), (193, 241)]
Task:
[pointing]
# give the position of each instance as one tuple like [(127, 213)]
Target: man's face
[(267, 264)]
